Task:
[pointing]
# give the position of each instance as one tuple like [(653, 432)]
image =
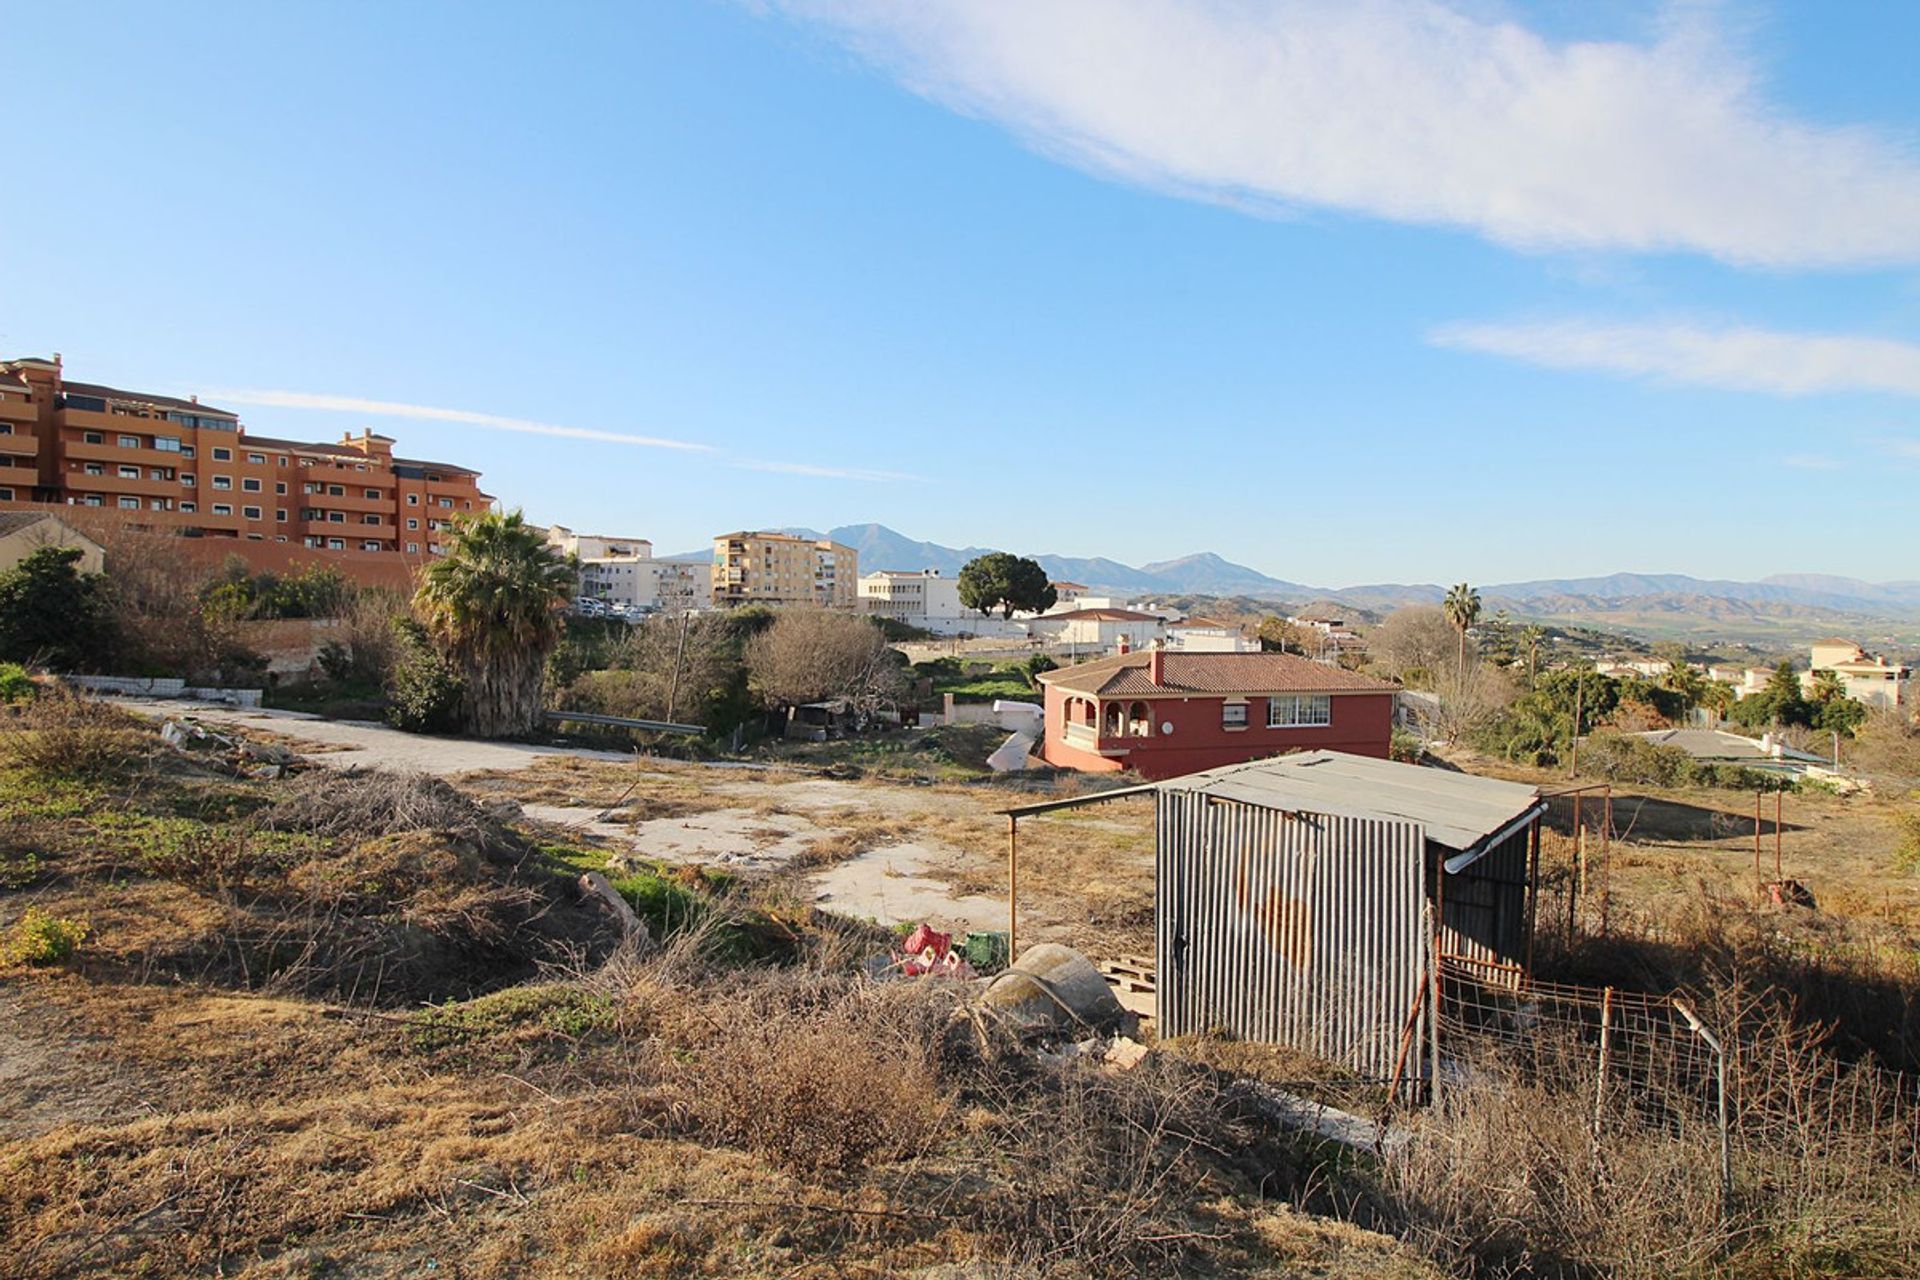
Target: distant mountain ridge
[(1206, 573)]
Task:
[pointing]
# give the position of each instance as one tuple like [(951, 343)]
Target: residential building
[(784, 571), (1208, 635), (595, 546), (162, 463), (24, 532), (926, 599), (1866, 677), (1066, 595), (1163, 714), (1082, 632), (624, 571)]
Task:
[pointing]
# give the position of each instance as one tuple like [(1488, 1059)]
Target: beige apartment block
[(783, 571)]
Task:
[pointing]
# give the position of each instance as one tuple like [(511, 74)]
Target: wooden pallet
[(1132, 981)]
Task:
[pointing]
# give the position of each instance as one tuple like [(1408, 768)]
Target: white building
[(1208, 635), (1088, 632), (623, 571), (594, 546), (925, 599), (1866, 677)]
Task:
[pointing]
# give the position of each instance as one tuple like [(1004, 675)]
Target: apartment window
[(370, 519), (413, 548), (336, 517), (251, 513), (413, 499), (186, 451), (189, 507), (336, 491), (280, 537), (280, 488), (222, 509), (336, 544), (1299, 710), (249, 484), (129, 473), (222, 454), (257, 459), (1233, 715), (280, 515), (159, 473), (129, 442), (6, 428), (129, 504), (223, 482), (413, 522), (186, 478), (166, 444), (156, 504), (94, 469), (93, 437), (447, 503), (92, 500), (282, 459), (373, 493), (369, 545), (6, 495)]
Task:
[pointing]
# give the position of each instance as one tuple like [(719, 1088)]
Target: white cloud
[(1811, 462), (824, 472), (1416, 112), (395, 409), (1739, 359)]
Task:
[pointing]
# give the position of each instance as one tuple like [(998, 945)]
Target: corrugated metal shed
[(1296, 900), (1457, 810)]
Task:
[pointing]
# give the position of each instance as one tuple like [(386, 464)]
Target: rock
[(1054, 992)]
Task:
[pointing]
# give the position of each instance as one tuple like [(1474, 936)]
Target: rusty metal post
[(1573, 870), (1433, 1015), (1606, 860), (1779, 811), (1533, 889), (1013, 887), (1756, 841)]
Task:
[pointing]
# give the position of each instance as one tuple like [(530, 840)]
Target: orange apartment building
[(162, 463)]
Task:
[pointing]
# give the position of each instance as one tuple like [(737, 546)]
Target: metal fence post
[(1720, 1081)]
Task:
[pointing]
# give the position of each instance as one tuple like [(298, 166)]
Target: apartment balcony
[(144, 487), (16, 410), (81, 451), (351, 500), (21, 444)]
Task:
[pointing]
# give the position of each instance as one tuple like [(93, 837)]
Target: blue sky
[(1384, 291)]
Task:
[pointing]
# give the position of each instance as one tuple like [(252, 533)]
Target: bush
[(51, 612), (424, 691), (38, 938), (15, 684), (63, 734)]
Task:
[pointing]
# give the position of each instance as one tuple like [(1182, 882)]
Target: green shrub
[(15, 684), (38, 938), (424, 693), (537, 1012)]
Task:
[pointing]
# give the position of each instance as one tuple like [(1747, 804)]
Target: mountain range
[(1805, 597)]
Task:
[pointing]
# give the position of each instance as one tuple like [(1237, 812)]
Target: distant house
[(1163, 714), (24, 532), (1099, 631), (925, 599), (1717, 746), (1866, 677), (1208, 635)]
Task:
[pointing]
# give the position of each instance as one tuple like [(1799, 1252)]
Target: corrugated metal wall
[(1296, 929), (1483, 909)]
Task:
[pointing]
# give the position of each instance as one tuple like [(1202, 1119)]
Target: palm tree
[(493, 604), (1531, 636), (1463, 610)]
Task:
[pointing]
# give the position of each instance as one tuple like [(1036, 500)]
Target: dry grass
[(63, 734)]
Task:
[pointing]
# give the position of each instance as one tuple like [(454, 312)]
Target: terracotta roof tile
[(1100, 615), (1246, 673)]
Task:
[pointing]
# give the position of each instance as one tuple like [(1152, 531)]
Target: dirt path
[(51, 1073), (364, 743)]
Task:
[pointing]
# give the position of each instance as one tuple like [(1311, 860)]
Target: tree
[(493, 605), (810, 655), (1830, 707), (1778, 703), (1278, 635), (1531, 637), (1462, 608), (1005, 582), (52, 613), (1412, 645)]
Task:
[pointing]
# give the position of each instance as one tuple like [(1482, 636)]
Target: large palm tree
[(1463, 610), (494, 602), (1531, 636)]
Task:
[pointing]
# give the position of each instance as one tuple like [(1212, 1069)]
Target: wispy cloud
[(1414, 111), (1811, 462), (397, 409), (826, 472), (1740, 359)]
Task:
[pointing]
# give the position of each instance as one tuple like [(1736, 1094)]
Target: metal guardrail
[(622, 722)]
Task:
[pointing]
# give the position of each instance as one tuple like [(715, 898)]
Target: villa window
[(222, 454), (1299, 710), (1233, 715)]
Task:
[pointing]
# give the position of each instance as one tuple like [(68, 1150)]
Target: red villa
[(1165, 714)]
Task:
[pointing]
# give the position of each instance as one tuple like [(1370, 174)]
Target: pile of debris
[(247, 759)]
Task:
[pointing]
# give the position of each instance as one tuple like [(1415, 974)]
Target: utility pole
[(679, 651)]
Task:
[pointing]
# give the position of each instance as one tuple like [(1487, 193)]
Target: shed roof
[(1459, 811)]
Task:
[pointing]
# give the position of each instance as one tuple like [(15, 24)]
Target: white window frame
[(223, 508), (1299, 711), (223, 482), (1233, 713)]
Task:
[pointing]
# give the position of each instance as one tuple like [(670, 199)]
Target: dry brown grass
[(64, 734)]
